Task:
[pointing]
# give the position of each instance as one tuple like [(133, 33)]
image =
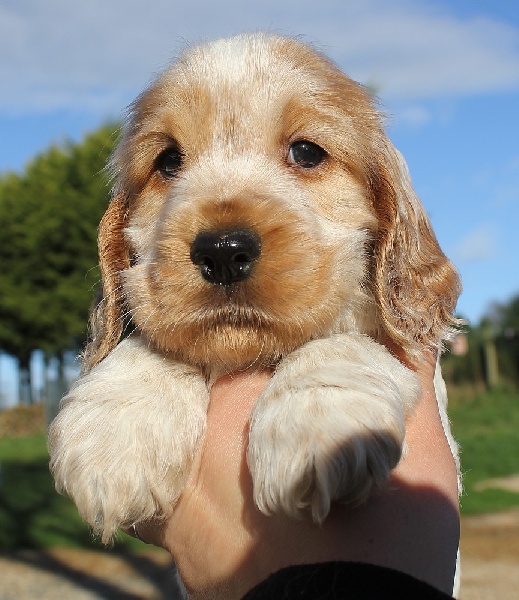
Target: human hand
[(223, 546)]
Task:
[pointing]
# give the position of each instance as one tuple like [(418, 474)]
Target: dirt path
[(490, 557), (72, 574), (489, 548)]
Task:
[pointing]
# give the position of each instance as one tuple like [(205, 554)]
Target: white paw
[(124, 439), (330, 426)]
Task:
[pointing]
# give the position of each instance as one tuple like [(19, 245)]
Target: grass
[(33, 515), (486, 426)]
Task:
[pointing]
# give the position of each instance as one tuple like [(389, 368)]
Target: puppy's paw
[(330, 426), (122, 444)]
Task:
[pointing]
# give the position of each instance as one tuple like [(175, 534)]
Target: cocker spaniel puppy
[(260, 217)]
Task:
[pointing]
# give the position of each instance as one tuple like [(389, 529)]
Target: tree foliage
[(505, 318), (49, 216), (493, 349)]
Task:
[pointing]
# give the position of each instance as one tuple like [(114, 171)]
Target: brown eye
[(305, 154), (169, 162)]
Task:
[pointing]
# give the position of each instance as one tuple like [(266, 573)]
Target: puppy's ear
[(107, 318), (415, 286)]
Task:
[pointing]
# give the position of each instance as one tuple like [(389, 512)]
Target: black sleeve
[(342, 581)]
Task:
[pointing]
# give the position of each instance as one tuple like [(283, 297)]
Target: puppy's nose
[(225, 257)]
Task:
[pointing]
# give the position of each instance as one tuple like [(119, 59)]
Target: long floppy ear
[(107, 318), (415, 286)]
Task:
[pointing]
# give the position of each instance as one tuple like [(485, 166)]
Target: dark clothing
[(342, 581)]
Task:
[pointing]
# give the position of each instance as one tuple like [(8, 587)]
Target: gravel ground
[(490, 557), (489, 550), (71, 574)]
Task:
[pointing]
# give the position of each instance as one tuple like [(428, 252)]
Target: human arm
[(223, 546)]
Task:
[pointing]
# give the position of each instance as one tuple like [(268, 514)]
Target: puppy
[(260, 218)]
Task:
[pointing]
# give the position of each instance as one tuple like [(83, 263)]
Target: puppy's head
[(258, 205)]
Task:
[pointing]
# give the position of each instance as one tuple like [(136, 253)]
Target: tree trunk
[(24, 380)]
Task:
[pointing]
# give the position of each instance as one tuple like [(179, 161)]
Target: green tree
[(505, 317), (492, 359), (48, 257), (468, 367)]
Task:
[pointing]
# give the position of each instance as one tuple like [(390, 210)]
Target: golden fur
[(347, 252), (235, 136)]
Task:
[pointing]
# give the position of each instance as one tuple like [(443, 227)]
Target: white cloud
[(478, 245), (414, 116), (89, 55), (410, 53)]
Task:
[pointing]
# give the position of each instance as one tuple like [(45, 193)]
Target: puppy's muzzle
[(226, 257)]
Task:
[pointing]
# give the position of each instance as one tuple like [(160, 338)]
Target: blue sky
[(447, 73)]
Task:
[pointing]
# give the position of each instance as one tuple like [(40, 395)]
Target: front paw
[(122, 445), (330, 426)]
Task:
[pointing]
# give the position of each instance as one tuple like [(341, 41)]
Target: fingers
[(220, 470), (148, 532), (216, 476)]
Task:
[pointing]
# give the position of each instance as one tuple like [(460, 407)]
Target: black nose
[(225, 257)]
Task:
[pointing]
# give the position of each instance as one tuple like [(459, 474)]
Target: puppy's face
[(236, 146), (247, 195)]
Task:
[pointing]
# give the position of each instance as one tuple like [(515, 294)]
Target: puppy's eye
[(305, 154), (169, 162)]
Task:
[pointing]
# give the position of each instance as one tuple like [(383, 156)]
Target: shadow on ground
[(139, 576)]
